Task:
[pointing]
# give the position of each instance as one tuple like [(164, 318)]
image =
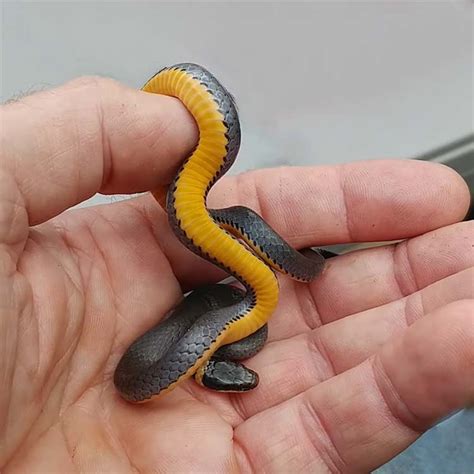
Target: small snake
[(218, 325)]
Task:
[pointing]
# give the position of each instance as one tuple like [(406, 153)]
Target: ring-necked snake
[(216, 325)]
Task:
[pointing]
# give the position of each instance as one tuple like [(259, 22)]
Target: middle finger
[(291, 366), (369, 278)]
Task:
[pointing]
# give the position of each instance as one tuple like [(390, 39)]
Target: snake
[(217, 326)]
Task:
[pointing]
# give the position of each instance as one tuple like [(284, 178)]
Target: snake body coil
[(216, 325)]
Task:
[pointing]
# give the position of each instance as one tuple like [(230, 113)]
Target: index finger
[(92, 135)]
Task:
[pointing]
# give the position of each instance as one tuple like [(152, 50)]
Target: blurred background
[(316, 83)]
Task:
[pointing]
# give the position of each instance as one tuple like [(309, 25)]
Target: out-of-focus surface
[(445, 449), (319, 83), (315, 83)]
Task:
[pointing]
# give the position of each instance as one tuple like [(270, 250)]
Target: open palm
[(358, 364)]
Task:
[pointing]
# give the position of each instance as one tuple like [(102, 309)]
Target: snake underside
[(216, 326)]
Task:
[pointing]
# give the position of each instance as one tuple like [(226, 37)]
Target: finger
[(364, 201), (289, 367), (361, 201), (371, 278), (351, 340), (63, 146), (377, 409), (351, 283)]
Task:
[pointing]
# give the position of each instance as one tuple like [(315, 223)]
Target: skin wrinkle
[(68, 383), (326, 314), (22, 236), (433, 236), (73, 446), (79, 175), (397, 408), (97, 246), (48, 375), (284, 214), (224, 402), (277, 204), (34, 321), (257, 200), (106, 268), (106, 152), (9, 460), (155, 138), (345, 215), (7, 262), (49, 163), (307, 305), (245, 190), (243, 457), (411, 272), (406, 279), (79, 255), (11, 377), (10, 213), (127, 455), (414, 308), (106, 410), (317, 375), (30, 243), (160, 143), (99, 251), (38, 414), (100, 368), (101, 219), (238, 406), (113, 440), (54, 375), (316, 346), (315, 353), (78, 140), (399, 250), (311, 316), (71, 450), (76, 254), (147, 221), (237, 415), (77, 284), (326, 447)]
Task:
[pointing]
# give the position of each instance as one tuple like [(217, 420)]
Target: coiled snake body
[(217, 325)]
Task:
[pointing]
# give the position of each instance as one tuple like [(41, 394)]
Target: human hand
[(358, 364)]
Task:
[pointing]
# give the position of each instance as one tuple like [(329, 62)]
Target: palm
[(104, 280), (346, 382)]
